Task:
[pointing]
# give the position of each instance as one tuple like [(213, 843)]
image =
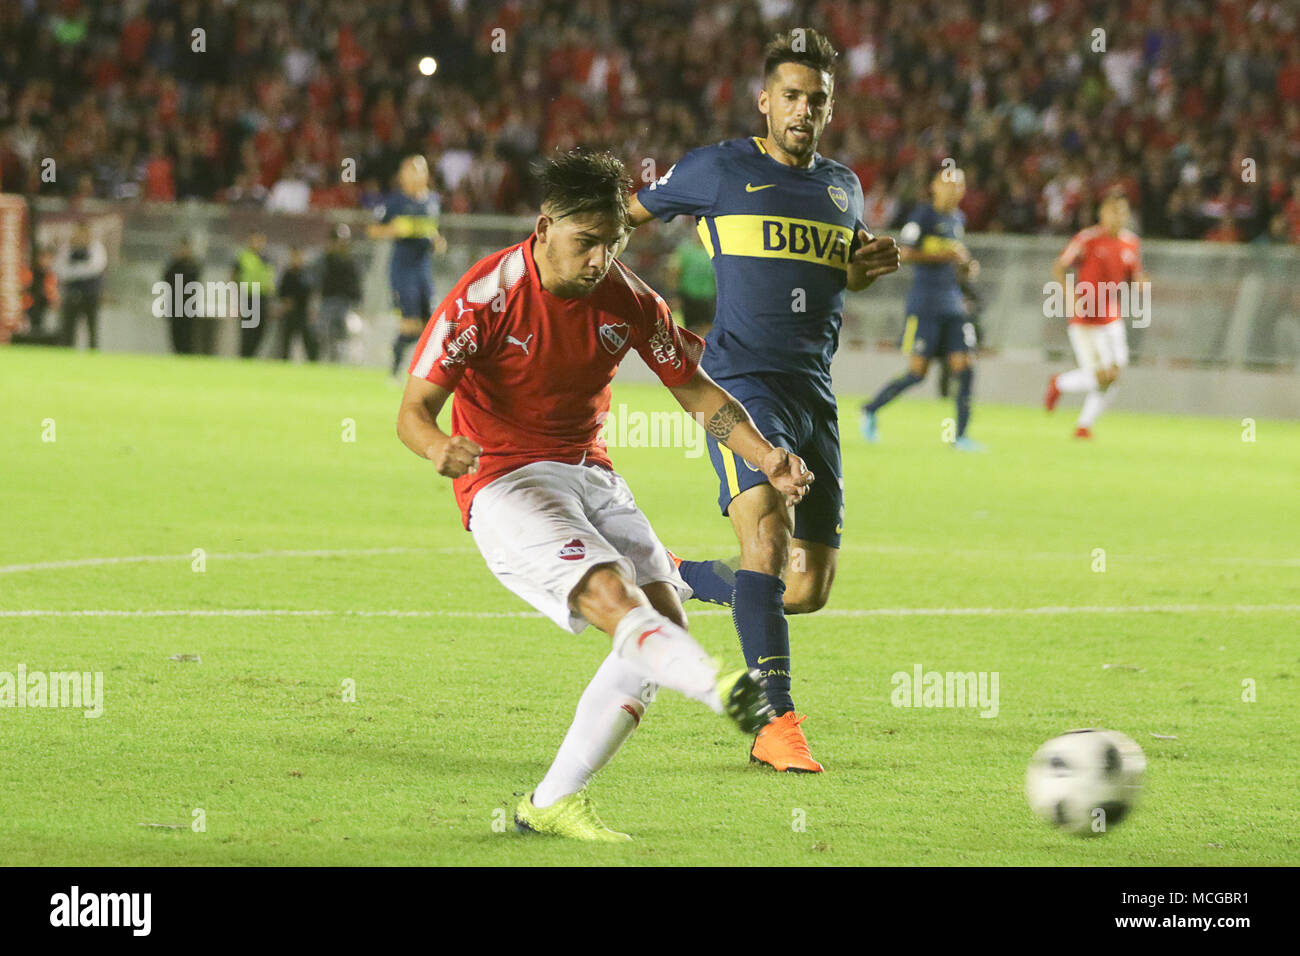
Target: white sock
[(1093, 403), (609, 710), (1076, 380), (661, 651), (1108, 398)]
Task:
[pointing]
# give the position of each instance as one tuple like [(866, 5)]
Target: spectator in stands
[(1291, 210), (80, 267), (340, 291), (1225, 231), (184, 268), (295, 291), (291, 194), (1275, 235), (1154, 189), (1018, 212), (159, 172), (1014, 92), (246, 191), (42, 291)]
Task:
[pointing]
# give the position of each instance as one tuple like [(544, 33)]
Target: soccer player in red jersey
[(529, 340), (1108, 256)]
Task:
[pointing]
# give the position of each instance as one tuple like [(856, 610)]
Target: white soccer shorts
[(544, 526), (1099, 346)]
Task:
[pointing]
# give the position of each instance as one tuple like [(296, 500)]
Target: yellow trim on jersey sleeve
[(779, 237), (702, 227), (729, 466), (909, 335)]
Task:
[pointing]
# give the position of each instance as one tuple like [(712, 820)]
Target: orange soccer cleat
[(1053, 395), (1083, 431), (782, 746)]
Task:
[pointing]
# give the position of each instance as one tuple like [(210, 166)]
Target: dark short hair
[(583, 182), (802, 45)]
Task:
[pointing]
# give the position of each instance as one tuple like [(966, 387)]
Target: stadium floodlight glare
[(428, 65)]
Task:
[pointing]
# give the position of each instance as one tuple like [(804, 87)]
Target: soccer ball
[(1085, 781)]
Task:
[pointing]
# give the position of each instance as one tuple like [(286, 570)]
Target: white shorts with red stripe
[(1099, 346), (543, 527)]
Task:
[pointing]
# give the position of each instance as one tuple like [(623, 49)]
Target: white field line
[(1083, 555), (831, 612), (224, 556)]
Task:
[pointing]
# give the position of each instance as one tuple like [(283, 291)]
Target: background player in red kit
[(529, 340), (1106, 255)]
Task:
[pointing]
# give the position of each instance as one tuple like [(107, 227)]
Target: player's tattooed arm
[(725, 420), (720, 415)]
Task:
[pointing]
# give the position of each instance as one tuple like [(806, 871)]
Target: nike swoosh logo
[(641, 640), (778, 657), (751, 188)]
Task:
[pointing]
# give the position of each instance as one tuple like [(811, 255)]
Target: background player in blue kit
[(938, 323), (784, 228), (409, 216)]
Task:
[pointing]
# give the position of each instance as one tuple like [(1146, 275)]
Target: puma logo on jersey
[(751, 188), (523, 345), (461, 309)]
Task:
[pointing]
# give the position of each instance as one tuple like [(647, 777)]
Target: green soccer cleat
[(967, 444), (573, 816), (867, 425), (744, 695)]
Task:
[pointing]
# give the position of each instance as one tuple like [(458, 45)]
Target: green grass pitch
[(461, 703)]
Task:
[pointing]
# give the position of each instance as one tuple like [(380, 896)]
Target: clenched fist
[(457, 456), (788, 474), (876, 256)]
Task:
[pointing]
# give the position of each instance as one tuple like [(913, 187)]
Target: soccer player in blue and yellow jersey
[(784, 227), (409, 216), (938, 324)]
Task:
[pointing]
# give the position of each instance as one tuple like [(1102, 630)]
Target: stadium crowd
[(1193, 108)]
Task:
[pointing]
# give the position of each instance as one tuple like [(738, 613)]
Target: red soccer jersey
[(531, 371), (1105, 259)]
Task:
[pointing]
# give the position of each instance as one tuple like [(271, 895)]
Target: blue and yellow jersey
[(936, 289), (780, 239), (417, 220)]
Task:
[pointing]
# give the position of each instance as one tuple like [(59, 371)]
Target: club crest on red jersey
[(575, 550), (613, 335)]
